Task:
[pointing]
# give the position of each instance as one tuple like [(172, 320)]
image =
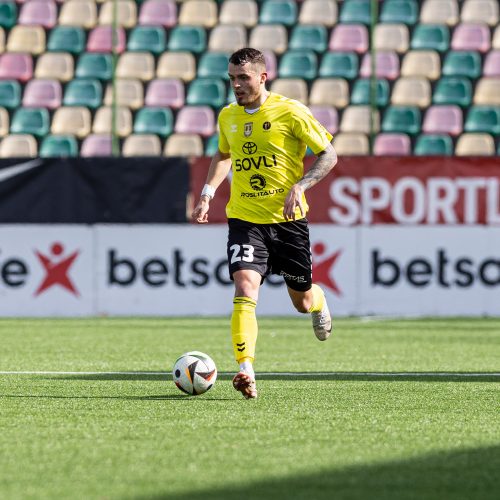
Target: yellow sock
[(244, 328), (318, 299)]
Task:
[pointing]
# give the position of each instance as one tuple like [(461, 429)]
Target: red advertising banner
[(392, 190)]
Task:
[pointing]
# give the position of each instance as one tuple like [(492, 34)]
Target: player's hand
[(292, 201), (200, 213)]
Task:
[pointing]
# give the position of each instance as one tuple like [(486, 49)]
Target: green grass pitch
[(385, 409)]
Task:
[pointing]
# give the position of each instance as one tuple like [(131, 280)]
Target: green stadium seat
[(94, 65), (188, 38), (147, 39), (34, 121), (339, 65), (399, 11), (10, 94), (83, 92), (462, 63), (278, 12), (67, 39), (433, 144), (483, 119), (355, 12), (405, 119), (362, 88), (298, 64), (213, 65), (55, 146), (207, 92), (159, 121), (453, 90), (309, 37), (431, 37), (8, 14), (212, 145)]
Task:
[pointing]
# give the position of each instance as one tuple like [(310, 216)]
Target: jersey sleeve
[(223, 144), (306, 128)]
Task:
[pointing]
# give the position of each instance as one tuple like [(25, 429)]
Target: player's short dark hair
[(248, 55)]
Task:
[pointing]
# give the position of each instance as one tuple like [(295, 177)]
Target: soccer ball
[(194, 373)]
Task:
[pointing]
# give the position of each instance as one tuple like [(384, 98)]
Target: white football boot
[(244, 383), (322, 322)]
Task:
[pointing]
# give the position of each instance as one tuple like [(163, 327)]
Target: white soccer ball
[(194, 373)]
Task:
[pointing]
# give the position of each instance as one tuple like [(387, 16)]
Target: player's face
[(247, 81)]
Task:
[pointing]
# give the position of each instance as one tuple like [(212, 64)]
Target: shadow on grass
[(467, 474), (159, 397)]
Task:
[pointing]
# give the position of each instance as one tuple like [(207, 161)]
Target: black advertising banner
[(93, 190)]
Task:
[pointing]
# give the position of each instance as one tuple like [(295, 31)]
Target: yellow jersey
[(267, 149)]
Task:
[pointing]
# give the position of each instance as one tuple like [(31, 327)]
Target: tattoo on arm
[(325, 161)]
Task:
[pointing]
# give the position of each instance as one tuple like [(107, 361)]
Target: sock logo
[(240, 347)]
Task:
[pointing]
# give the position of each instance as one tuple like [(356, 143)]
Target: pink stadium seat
[(158, 13), (96, 145), (386, 65), (101, 39), (392, 144), (16, 66), (348, 37), (165, 92), (492, 64), (271, 64), (471, 37), (42, 94), (196, 120), (443, 120), (327, 116), (39, 12)]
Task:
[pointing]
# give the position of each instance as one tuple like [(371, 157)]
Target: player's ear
[(263, 77)]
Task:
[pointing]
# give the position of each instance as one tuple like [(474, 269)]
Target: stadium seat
[(212, 145), (492, 63), (122, 13), (227, 38), (94, 65), (349, 37), (168, 92), (495, 43), (18, 146), (323, 12), (141, 145), (443, 119), (361, 92), (30, 39), (101, 39), (128, 92), (424, 63), (39, 13), (462, 63), (471, 37), (33, 121), (355, 11), (58, 146), (483, 119), (392, 145), (475, 144), (404, 119), (189, 145), (16, 66), (70, 39), (392, 37), (351, 144), (96, 145), (399, 11), (487, 91), (176, 65), (188, 38), (153, 120), (4, 122), (480, 11), (71, 120), (269, 37), (294, 88), (327, 116), (195, 120), (330, 92), (214, 64), (207, 92), (453, 90), (10, 94), (158, 13), (339, 65), (83, 92), (147, 39), (309, 37), (55, 65), (244, 12), (431, 37), (433, 144), (139, 65), (42, 94), (8, 14), (359, 119), (103, 121), (298, 64), (386, 65), (411, 91), (440, 12), (78, 13), (278, 12), (198, 13)]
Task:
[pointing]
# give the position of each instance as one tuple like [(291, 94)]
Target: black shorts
[(283, 249)]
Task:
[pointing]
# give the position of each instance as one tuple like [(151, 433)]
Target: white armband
[(208, 190)]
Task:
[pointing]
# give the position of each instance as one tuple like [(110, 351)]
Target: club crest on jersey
[(248, 129)]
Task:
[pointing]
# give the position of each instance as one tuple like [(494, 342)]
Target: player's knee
[(302, 304)]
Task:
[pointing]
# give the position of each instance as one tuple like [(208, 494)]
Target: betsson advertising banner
[(172, 270)]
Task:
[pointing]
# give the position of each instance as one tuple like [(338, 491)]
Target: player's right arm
[(217, 172)]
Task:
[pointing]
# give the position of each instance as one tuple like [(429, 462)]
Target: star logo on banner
[(56, 269), (322, 269)]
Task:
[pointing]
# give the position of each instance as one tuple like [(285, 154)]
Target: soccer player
[(263, 137)]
